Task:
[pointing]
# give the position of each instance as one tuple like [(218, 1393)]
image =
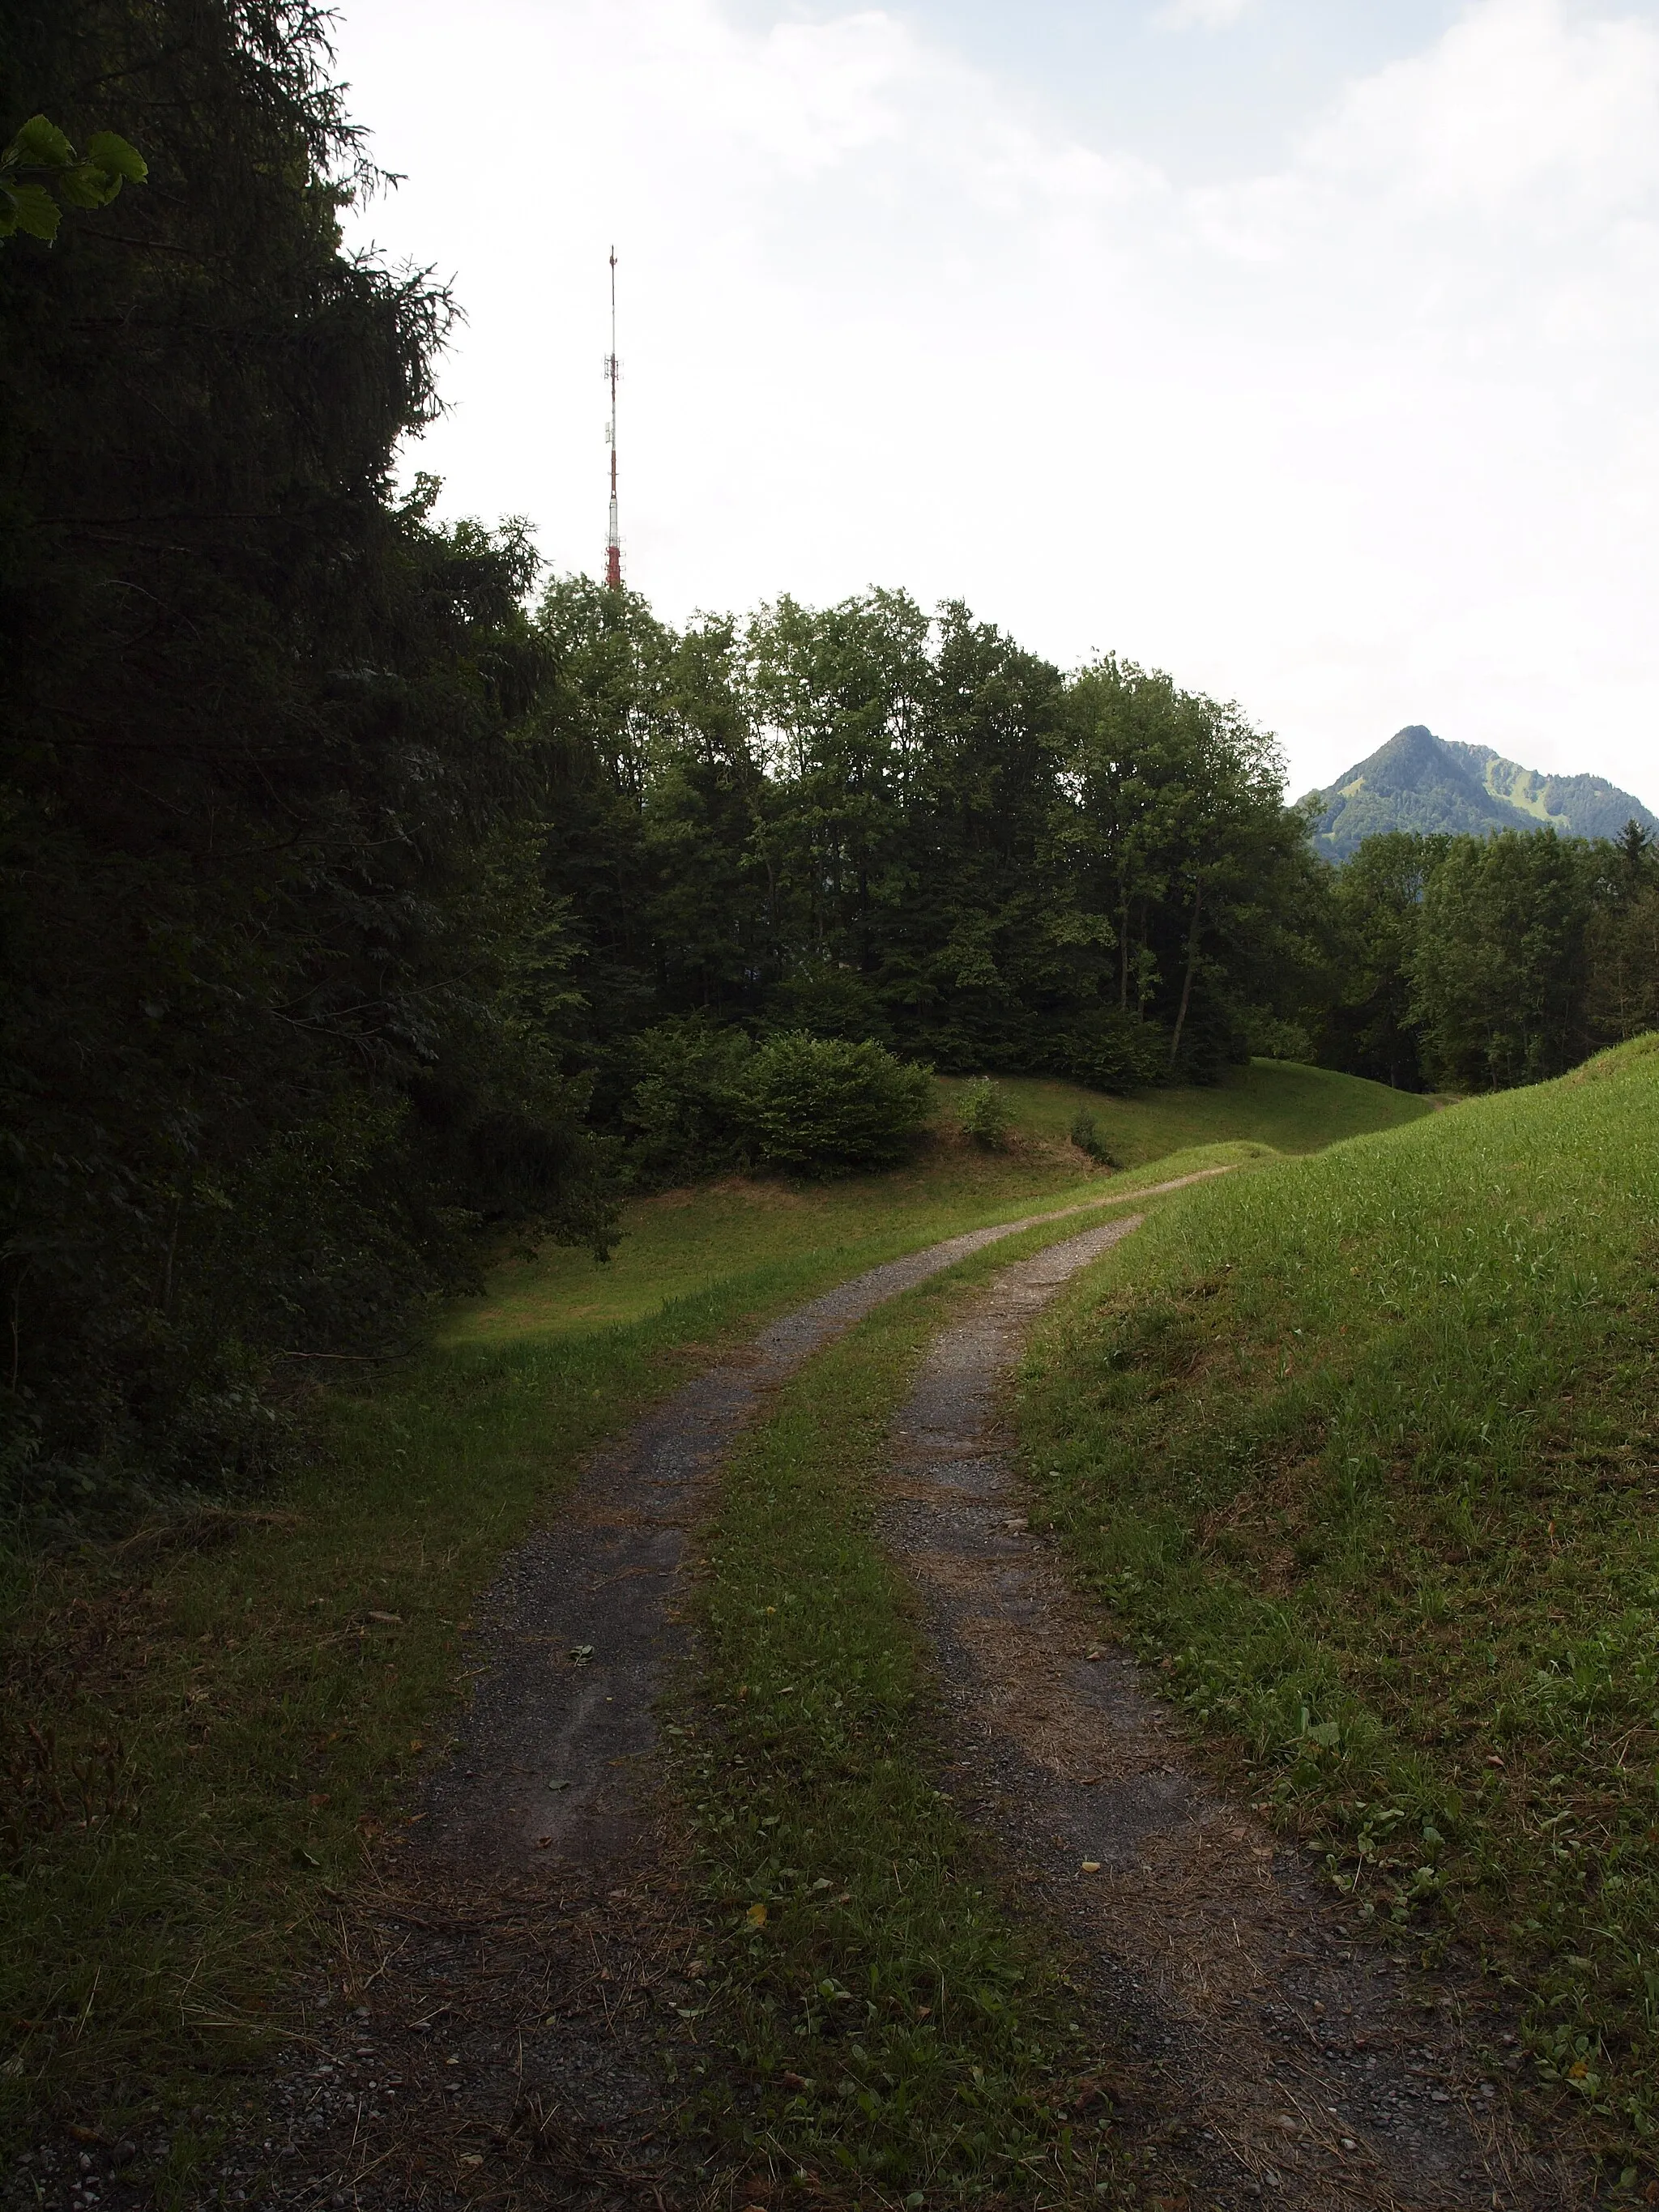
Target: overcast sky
[(1307, 348)]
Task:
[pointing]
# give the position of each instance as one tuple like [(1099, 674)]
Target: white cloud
[(1201, 14), (1372, 439)]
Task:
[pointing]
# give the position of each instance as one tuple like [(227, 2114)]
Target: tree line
[(366, 897), (1474, 963), (870, 821)]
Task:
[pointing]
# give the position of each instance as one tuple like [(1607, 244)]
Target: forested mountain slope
[(1436, 786)]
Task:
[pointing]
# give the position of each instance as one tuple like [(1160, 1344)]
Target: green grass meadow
[(1364, 1449), (677, 1244)]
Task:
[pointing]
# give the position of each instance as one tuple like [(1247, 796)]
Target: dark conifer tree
[(279, 972)]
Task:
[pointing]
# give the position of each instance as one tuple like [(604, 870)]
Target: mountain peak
[(1419, 781)]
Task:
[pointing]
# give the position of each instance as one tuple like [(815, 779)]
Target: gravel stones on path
[(586, 1616), (1294, 2067), (514, 2023)]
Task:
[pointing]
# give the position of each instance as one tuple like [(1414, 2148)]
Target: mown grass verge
[(1278, 1103), (887, 2026), (1365, 1450), (205, 1722)]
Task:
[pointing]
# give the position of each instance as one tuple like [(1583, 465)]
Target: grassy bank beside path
[(1364, 1447), (1272, 1102)]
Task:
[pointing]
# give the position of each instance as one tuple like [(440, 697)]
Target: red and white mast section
[(613, 536)]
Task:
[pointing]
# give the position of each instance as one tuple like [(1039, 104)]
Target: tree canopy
[(874, 822), (281, 1000), (366, 897)]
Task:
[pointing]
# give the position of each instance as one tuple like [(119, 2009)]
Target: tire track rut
[(515, 1972), (1297, 2066)]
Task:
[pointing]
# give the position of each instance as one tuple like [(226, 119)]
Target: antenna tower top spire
[(613, 537)]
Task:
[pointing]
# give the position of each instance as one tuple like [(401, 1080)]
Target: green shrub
[(1264, 1036), (687, 1110), (984, 1114), (827, 1107), (1113, 1050), (1085, 1135)]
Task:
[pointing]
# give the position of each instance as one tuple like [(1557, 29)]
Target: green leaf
[(34, 211), (85, 186), (109, 150), (40, 145)]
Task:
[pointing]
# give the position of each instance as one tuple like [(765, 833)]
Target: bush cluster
[(703, 1098), (984, 1115)]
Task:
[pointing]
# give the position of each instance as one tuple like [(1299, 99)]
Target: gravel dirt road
[(1295, 2064), (502, 2030), (502, 2025)]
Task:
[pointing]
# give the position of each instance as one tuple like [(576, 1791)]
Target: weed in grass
[(1085, 1135), (984, 1114), (1363, 1447)]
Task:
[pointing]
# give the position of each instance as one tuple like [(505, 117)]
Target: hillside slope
[(1419, 781), (1366, 1447), (678, 1243)]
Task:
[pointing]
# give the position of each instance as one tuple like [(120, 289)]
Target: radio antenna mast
[(613, 537)]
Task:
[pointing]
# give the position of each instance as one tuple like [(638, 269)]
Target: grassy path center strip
[(887, 2020)]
